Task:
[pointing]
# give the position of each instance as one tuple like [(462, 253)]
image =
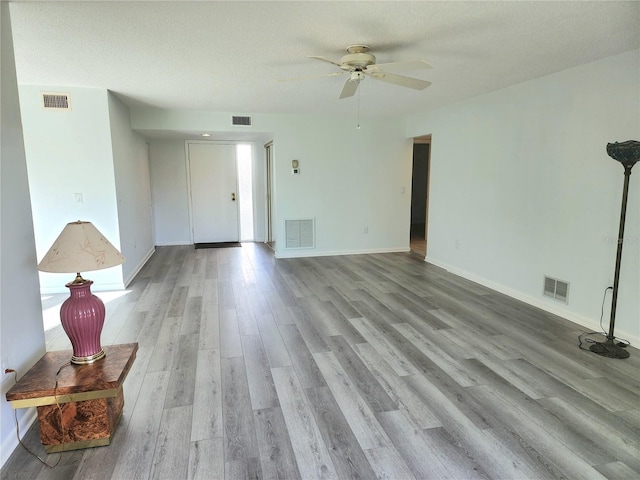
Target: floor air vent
[(55, 101), (241, 121), (300, 233), (556, 289)]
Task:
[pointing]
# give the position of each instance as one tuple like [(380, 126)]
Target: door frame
[(151, 199), (189, 191), (268, 147), (424, 140)]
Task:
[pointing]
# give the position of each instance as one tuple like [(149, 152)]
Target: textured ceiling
[(231, 56)]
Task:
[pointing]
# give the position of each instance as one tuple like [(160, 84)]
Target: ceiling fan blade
[(325, 60), (408, 82), (309, 77), (349, 89), (410, 65)]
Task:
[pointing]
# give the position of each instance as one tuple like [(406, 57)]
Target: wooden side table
[(90, 397)]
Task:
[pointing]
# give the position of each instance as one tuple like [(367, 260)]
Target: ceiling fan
[(358, 63)]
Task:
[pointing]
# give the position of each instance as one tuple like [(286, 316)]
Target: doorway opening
[(420, 195), (244, 157), (220, 189)]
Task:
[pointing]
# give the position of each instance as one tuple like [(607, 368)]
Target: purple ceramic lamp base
[(82, 317)]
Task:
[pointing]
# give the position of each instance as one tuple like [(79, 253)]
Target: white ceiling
[(231, 56)]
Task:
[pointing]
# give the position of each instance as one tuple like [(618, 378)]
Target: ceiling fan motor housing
[(357, 58)]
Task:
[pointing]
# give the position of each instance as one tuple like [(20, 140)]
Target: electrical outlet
[(6, 376)]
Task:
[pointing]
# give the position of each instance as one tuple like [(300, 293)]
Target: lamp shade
[(627, 153), (80, 248)]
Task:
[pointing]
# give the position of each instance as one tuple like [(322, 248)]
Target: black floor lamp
[(627, 153)]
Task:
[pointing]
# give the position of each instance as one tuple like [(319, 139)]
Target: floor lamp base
[(609, 349)]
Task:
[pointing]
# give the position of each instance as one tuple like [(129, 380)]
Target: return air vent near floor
[(556, 289), (300, 233), (241, 121), (55, 101)]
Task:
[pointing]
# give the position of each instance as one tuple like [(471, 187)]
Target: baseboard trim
[(311, 253), (586, 322), (173, 244), (141, 264)]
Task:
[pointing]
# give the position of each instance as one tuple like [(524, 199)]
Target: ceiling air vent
[(556, 289), (241, 121), (55, 101)]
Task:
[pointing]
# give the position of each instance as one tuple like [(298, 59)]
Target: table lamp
[(81, 248)]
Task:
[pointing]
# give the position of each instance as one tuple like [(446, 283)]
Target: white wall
[(133, 189), (522, 187), (350, 179), (21, 332), (169, 192), (70, 152)]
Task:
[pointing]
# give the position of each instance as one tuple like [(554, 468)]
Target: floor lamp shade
[(81, 248)]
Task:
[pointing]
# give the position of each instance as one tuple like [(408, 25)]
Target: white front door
[(214, 181)]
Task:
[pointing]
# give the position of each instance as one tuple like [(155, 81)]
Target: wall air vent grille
[(241, 121), (556, 289), (300, 233), (55, 101)]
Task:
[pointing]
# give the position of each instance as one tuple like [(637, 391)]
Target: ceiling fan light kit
[(358, 63)]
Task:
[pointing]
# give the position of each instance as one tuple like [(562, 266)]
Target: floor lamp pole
[(627, 153)]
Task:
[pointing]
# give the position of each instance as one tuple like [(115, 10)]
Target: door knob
[(233, 197)]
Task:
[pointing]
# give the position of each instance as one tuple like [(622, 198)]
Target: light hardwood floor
[(365, 366)]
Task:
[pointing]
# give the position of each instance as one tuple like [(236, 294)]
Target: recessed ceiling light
[(206, 135)]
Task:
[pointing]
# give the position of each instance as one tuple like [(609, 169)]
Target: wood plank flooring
[(352, 367)]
